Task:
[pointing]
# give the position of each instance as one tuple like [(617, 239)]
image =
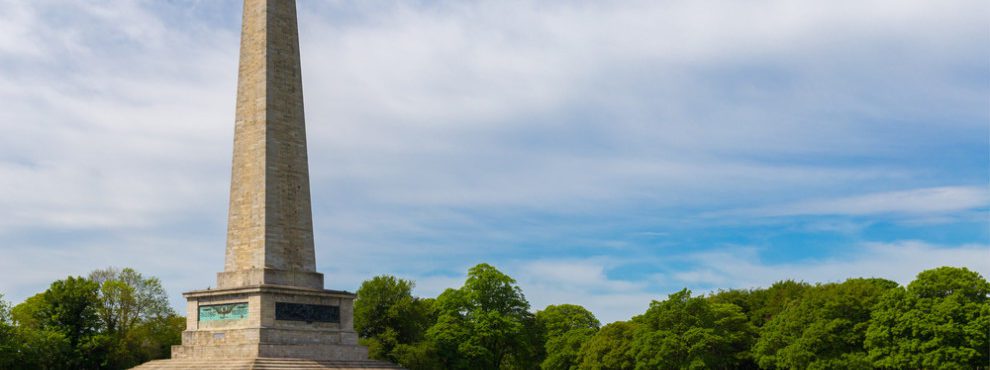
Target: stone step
[(265, 364)]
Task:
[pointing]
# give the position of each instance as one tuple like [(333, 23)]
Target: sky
[(601, 153)]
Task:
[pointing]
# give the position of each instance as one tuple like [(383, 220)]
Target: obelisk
[(269, 308), (270, 224)]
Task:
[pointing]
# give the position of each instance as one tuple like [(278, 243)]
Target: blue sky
[(601, 153)]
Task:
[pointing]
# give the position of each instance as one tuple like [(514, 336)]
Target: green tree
[(563, 351), (825, 329), (130, 301), (685, 332), (9, 345), (418, 356), (565, 328), (27, 314), (776, 298), (37, 346), (386, 315), (60, 329), (127, 298), (115, 320), (555, 320), (610, 348), (762, 304), (150, 339), (43, 349), (486, 324), (70, 306), (941, 320)]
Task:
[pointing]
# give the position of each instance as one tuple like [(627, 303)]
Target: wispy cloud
[(914, 202), (898, 261)]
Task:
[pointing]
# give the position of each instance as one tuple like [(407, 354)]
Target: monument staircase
[(265, 364)]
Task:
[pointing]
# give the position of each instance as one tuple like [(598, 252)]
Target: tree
[(767, 303), (941, 320), (418, 356), (563, 351), (825, 329), (115, 320), (70, 306), (610, 348), (9, 346), (36, 346), (387, 315), (555, 320), (60, 327), (691, 332), (129, 301), (45, 349), (485, 324), (152, 339), (28, 313), (127, 298), (565, 328)]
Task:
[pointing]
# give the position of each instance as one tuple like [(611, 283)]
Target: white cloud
[(589, 275), (925, 201), (898, 261), (583, 282)]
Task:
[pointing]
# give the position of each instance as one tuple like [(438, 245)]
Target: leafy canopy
[(387, 315), (685, 332), (825, 329), (941, 320), (565, 329), (116, 319), (611, 348), (555, 320), (485, 324)]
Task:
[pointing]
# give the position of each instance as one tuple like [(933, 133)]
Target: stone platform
[(259, 332), (264, 364)]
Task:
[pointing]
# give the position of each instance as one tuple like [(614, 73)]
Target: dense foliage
[(115, 319), (685, 332), (485, 324), (389, 318), (940, 320), (824, 330), (565, 328)]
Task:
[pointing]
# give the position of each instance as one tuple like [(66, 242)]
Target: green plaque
[(227, 311)]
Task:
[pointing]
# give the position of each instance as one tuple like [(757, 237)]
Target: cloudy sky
[(601, 153)]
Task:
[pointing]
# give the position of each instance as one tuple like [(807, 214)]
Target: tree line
[(112, 319), (941, 320), (116, 319)]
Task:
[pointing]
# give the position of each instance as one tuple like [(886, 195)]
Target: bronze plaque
[(307, 312)]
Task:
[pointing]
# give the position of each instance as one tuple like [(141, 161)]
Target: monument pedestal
[(270, 321), (269, 327)]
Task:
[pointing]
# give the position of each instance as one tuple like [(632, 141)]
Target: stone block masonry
[(270, 309)]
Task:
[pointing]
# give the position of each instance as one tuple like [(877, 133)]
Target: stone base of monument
[(263, 364), (267, 327)]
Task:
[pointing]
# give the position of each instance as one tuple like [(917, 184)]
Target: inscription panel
[(307, 312), (226, 311)]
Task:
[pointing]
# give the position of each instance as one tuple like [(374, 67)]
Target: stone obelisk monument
[(269, 308)]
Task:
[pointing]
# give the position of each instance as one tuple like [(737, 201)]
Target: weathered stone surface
[(262, 334), (263, 364), (270, 226)]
